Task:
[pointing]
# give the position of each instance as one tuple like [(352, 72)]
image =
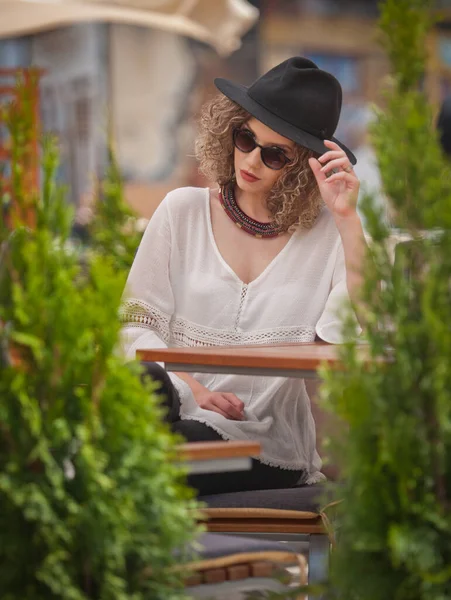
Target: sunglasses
[(272, 157)]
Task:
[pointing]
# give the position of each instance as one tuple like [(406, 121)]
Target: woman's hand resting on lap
[(225, 404)]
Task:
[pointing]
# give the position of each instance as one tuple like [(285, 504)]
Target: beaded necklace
[(241, 219)]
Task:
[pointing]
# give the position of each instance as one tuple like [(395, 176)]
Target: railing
[(19, 101)]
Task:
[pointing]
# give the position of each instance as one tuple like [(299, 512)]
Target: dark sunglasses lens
[(244, 141), (273, 158)]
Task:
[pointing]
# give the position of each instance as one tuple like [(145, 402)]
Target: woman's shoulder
[(184, 200)]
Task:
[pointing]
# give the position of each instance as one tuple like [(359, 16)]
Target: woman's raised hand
[(337, 182)]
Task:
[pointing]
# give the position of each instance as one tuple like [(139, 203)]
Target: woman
[(268, 257)]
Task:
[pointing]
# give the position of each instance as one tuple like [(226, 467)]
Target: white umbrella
[(220, 23)]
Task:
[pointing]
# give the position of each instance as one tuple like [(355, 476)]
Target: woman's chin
[(247, 186)]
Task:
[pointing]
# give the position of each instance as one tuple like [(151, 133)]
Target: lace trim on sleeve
[(187, 334), (136, 313)]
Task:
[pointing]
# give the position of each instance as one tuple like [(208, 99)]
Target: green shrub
[(113, 230), (395, 521), (93, 503)]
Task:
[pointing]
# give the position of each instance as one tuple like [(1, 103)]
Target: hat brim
[(239, 94)]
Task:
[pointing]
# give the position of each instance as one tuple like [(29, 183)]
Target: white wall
[(152, 74)]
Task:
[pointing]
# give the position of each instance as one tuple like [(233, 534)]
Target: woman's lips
[(248, 177)]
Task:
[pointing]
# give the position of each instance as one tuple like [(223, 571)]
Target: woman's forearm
[(225, 404), (195, 386), (354, 246)]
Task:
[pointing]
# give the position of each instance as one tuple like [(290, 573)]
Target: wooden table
[(289, 360)]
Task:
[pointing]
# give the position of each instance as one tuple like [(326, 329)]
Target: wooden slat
[(215, 576), (262, 569), (9, 90), (237, 572), (277, 557), (217, 450), (235, 514), (29, 79), (290, 356), (265, 526)]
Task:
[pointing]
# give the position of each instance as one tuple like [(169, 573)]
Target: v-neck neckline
[(225, 264)]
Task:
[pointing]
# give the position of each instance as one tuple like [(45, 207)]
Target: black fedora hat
[(296, 99)]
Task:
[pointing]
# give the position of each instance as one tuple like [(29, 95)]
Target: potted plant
[(395, 519), (93, 501)]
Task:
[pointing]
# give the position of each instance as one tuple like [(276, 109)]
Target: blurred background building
[(150, 82)]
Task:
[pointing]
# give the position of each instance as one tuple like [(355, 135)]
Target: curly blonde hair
[(293, 201)]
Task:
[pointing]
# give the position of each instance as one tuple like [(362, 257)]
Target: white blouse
[(181, 292)]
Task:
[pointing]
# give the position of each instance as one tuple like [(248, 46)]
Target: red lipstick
[(248, 176)]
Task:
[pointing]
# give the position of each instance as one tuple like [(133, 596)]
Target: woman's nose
[(254, 158)]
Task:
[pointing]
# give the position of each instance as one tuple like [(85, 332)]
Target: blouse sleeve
[(330, 325), (148, 302)]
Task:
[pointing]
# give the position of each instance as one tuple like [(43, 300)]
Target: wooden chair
[(294, 516), (229, 563)]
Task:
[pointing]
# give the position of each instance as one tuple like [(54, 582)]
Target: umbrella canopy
[(220, 23)]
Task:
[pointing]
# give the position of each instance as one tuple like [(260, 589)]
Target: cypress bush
[(395, 519), (93, 503), (113, 230)]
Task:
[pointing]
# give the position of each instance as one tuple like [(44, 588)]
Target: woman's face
[(252, 175)]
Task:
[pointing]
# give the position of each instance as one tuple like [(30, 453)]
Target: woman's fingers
[(331, 155), (225, 404), (342, 176), (337, 163), (315, 165), (333, 145), (215, 408), (231, 412), (239, 404), (235, 406)]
